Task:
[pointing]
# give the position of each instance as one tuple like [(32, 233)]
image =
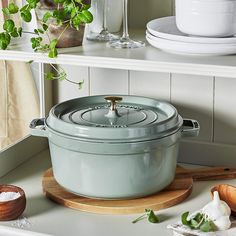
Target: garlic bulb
[(222, 223), (218, 211)]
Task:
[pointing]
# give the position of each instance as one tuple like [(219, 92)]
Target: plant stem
[(55, 68), (200, 222), (139, 218), (28, 32), (63, 31)]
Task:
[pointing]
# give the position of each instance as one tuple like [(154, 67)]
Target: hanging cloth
[(19, 101)]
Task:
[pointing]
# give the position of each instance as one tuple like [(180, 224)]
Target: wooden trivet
[(175, 193)]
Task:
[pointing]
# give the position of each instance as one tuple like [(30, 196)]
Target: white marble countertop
[(46, 217)]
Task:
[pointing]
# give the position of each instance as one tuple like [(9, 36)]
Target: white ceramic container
[(114, 13), (211, 18)]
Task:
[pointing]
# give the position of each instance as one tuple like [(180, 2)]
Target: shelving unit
[(143, 59), (204, 73)]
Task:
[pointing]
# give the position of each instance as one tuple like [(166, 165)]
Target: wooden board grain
[(175, 193)]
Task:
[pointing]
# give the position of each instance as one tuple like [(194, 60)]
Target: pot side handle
[(190, 128), (37, 127)]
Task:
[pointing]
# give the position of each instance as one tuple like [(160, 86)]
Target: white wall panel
[(193, 97), (140, 12), (64, 90), (173, 7), (150, 84), (108, 81), (225, 110)]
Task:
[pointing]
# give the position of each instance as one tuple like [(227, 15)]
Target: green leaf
[(53, 53), (14, 33), (3, 45), (68, 7), (47, 16), (6, 11), (74, 12), (13, 8), (207, 226), (32, 2), (45, 27), (36, 31), (148, 212), (194, 223), (79, 1), (35, 42), (76, 22), (9, 25), (5, 40), (49, 76), (198, 217), (199, 221), (59, 1), (59, 14), (25, 7), (33, 5), (152, 217), (45, 47), (81, 84), (184, 217), (86, 6), (26, 15), (86, 16), (20, 31), (30, 62), (53, 44)]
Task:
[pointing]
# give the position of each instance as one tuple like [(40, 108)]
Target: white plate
[(166, 28), (213, 45), (191, 48)]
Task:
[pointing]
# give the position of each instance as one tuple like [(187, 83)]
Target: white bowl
[(211, 18)]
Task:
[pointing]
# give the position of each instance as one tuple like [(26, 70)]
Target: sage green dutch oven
[(114, 147)]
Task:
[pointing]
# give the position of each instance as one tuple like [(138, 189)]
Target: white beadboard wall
[(210, 100), (207, 99)]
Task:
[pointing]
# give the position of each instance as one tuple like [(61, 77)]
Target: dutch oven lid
[(114, 118)]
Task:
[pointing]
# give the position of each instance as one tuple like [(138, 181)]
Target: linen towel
[(19, 102)]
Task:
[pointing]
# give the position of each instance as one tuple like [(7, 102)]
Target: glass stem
[(125, 19), (104, 22)]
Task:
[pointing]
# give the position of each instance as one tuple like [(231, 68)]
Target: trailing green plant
[(69, 13)]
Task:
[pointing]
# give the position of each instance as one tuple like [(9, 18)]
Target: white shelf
[(143, 59)]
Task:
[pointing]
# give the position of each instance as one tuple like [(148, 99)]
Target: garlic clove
[(222, 223), (221, 204), (216, 208)]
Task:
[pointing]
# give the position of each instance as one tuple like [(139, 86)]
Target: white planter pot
[(211, 18)]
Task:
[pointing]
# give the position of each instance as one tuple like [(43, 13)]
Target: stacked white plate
[(163, 33)]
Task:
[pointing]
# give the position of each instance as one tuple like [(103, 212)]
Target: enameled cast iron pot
[(114, 147)]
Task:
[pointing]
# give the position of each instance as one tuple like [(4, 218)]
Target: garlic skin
[(218, 211), (222, 223)]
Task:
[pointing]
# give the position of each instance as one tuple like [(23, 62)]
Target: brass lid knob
[(113, 101)]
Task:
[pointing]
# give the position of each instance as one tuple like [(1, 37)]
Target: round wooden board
[(175, 193)]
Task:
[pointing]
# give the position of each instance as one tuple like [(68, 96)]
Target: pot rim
[(156, 119), (113, 141)]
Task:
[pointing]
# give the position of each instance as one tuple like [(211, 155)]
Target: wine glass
[(104, 35), (125, 41)]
